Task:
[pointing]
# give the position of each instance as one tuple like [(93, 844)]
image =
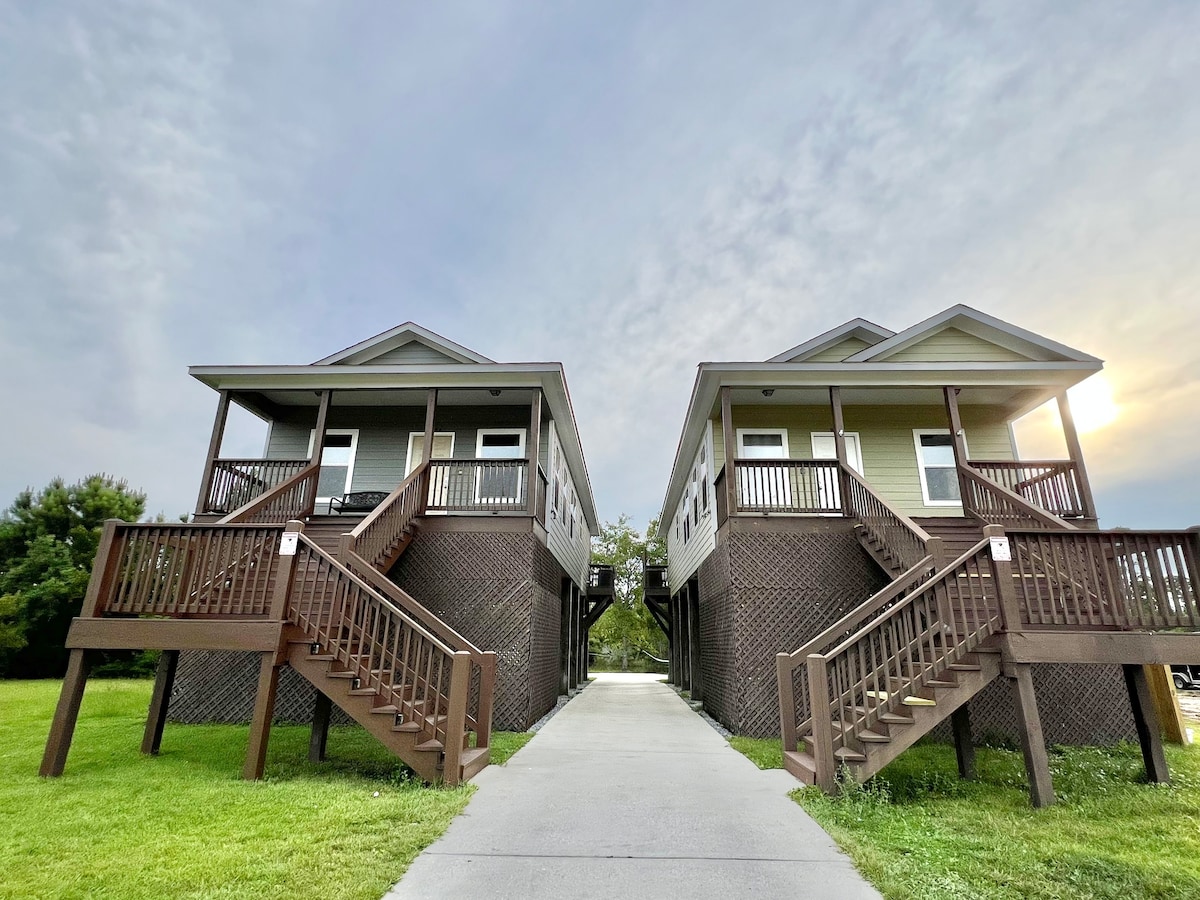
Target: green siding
[(412, 353), (955, 345), (839, 351)]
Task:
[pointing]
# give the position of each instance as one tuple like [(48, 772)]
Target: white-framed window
[(763, 487), (935, 466), (762, 443), (443, 448), (337, 461), (499, 484), (824, 447)]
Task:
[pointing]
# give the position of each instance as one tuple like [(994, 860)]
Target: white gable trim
[(365, 351), (980, 325), (857, 328)]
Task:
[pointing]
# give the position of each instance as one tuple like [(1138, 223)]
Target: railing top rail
[(1018, 463), (475, 460), (1014, 499), (266, 499), (202, 526), (379, 510), (949, 570), (910, 579), (797, 463), (260, 460), (375, 594), (1080, 533), (901, 517)]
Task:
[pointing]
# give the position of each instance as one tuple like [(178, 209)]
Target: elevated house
[(414, 544), (858, 555)]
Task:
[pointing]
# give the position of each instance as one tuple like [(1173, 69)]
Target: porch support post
[(1075, 451), (264, 710), (430, 412), (573, 636), (839, 446), (160, 701), (964, 750), (1033, 743), (566, 651), (730, 439), (58, 744), (322, 710), (532, 446), (1145, 718), (694, 639), (214, 450), (581, 632), (957, 439), (685, 634), (319, 430)]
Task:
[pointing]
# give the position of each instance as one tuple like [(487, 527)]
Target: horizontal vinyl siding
[(954, 345), (839, 351), (886, 438), (412, 353), (683, 559)]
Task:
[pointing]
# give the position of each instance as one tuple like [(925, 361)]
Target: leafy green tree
[(48, 542), (627, 630)]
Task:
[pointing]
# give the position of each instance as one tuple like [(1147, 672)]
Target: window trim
[(782, 432), (482, 432), (917, 434), (412, 436), (353, 432)]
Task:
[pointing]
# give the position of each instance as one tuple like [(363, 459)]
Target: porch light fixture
[(767, 392)]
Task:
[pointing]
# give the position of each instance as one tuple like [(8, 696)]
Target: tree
[(48, 543), (627, 629)]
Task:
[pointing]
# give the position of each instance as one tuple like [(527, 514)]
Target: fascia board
[(430, 338), (861, 328), (548, 377)]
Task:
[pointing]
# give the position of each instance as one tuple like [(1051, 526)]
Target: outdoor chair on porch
[(357, 502)]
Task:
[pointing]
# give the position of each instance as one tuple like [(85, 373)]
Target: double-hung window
[(935, 465), (337, 462)]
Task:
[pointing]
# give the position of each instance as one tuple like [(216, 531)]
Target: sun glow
[(1092, 404)]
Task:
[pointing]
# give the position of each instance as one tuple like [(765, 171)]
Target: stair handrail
[(374, 537), (912, 541), (1019, 511), (309, 474), (789, 664), (453, 698), (855, 702)]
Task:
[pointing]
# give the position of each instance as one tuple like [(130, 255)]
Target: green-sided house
[(857, 554), (412, 548)]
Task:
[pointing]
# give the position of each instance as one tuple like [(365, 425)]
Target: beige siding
[(955, 345), (839, 351), (684, 557), (886, 438), (412, 353)]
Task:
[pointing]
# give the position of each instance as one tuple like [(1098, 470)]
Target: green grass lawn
[(121, 825), (917, 831)]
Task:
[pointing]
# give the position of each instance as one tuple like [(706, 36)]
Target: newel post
[(456, 716), (1000, 557), (285, 569), (104, 572), (787, 702), (822, 723)]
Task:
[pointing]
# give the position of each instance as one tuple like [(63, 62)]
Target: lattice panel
[(1077, 704), (219, 686), (718, 671), (545, 635)]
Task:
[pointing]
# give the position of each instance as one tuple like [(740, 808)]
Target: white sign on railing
[(288, 542), (1001, 552)]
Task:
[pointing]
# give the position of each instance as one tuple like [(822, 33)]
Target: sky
[(627, 187)]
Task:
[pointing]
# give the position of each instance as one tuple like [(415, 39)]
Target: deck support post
[(1145, 719), (964, 749), (160, 701), (573, 604), (1075, 451), (1033, 743), (319, 736), (839, 445), (62, 729), (730, 440), (260, 723), (685, 633), (567, 650), (581, 634), (214, 451), (694, 639), (533, 451)]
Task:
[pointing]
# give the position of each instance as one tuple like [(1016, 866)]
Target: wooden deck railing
[(1052, 485), (376, 537), (1097, 580), (184, 571), (907, 540), (654, 580), (236, 482), (478, 485), (293, 498), (601, 578), (787, 486), (997, 505), (912, 640)]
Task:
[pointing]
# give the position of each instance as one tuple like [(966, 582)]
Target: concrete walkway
[(628, 793)]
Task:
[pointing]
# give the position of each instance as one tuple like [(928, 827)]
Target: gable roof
[(439, 349), (860, 329), (1024, 344)]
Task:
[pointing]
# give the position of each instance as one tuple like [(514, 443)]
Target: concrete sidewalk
[(628, 793)]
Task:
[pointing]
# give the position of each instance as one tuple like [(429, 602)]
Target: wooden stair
[(409, 740), (958, 533), (906, 720)]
